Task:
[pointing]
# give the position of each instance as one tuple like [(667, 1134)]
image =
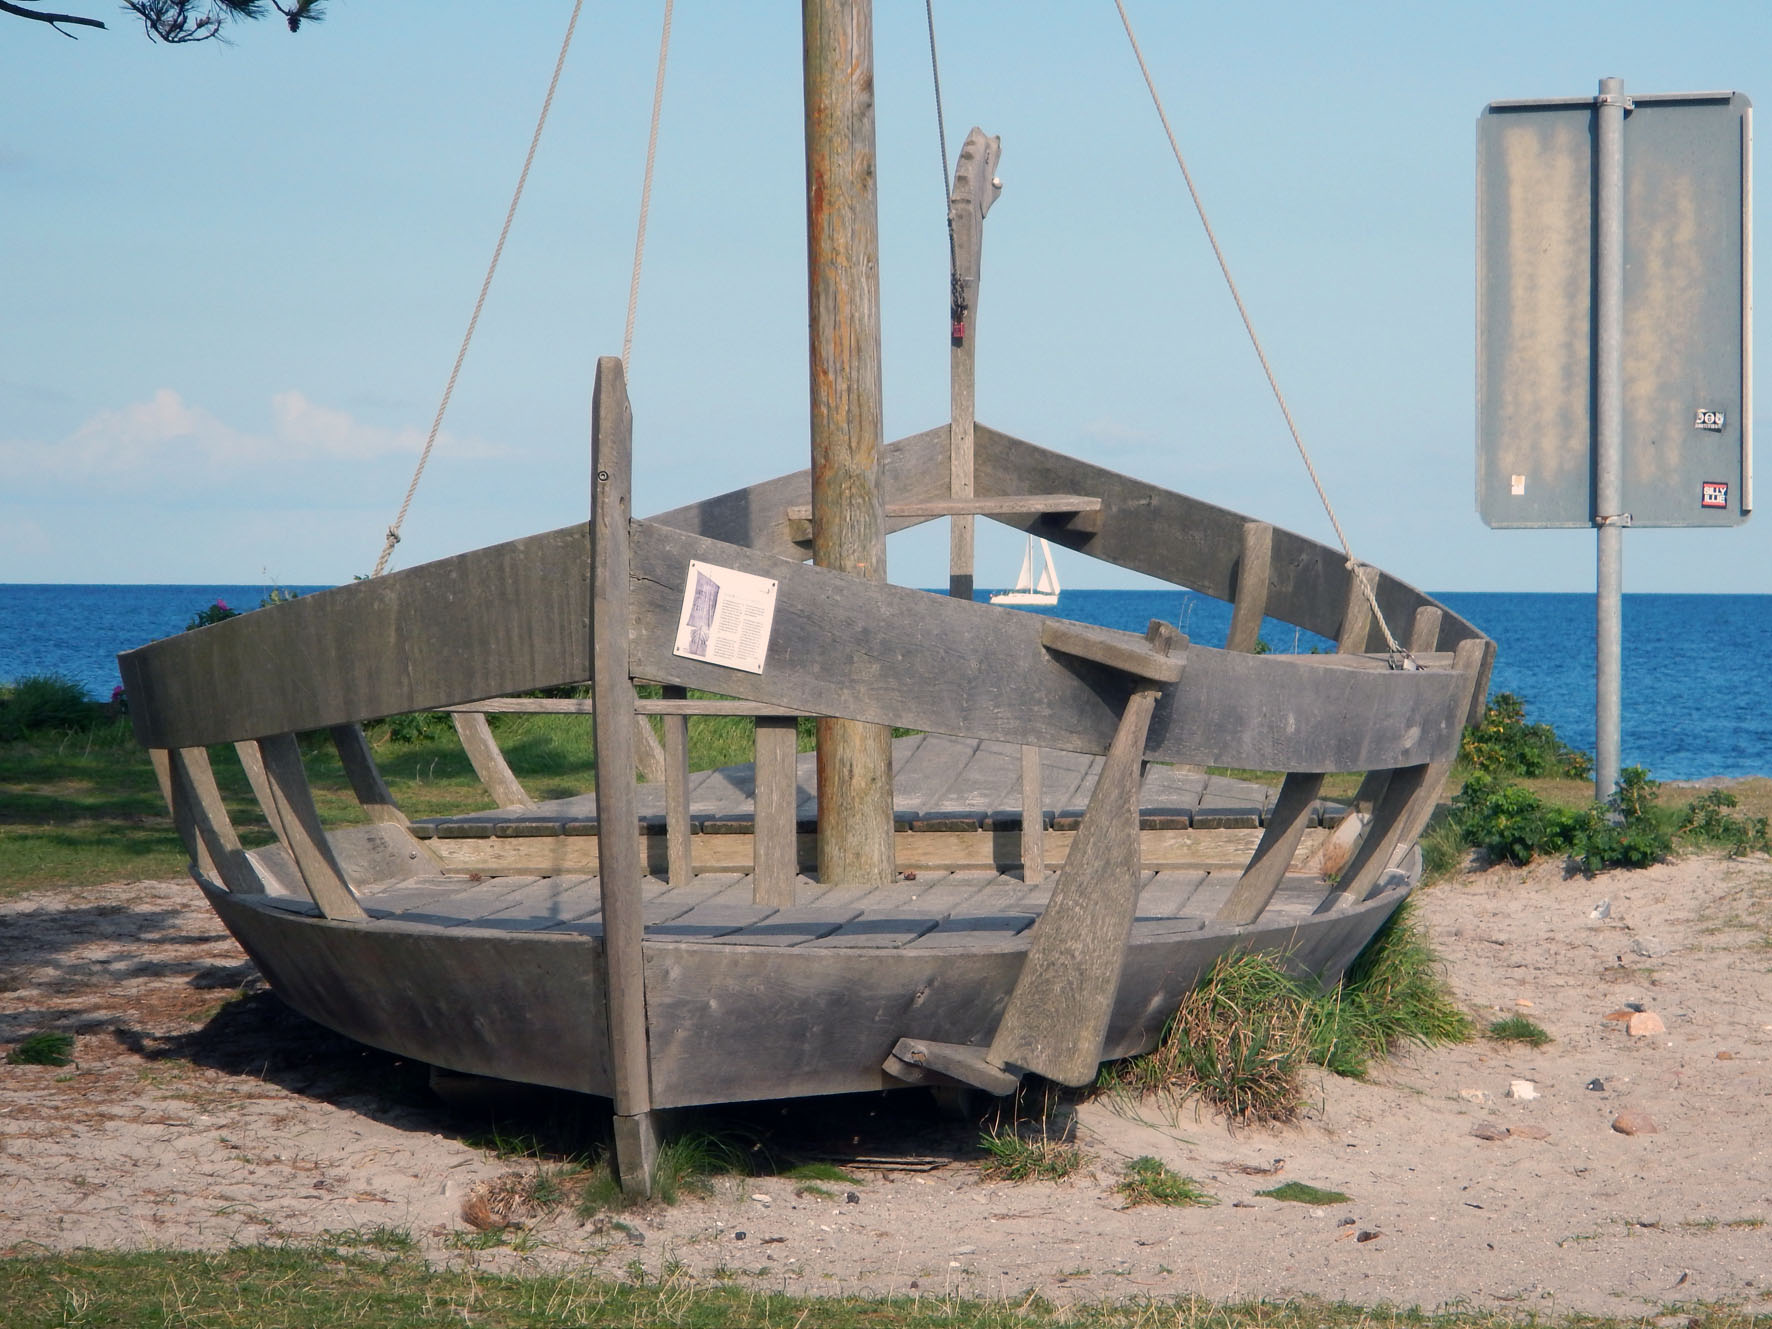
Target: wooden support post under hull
[(618, 846), (1058, 1012)]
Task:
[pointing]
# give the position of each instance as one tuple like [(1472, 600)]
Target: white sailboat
[(1026, 590)]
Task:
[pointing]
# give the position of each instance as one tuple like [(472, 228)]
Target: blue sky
[(234, 277)]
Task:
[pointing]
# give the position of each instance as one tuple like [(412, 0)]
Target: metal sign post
[(1613, 330), (1610, 518)]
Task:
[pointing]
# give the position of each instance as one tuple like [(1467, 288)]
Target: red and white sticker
[(1713, 494)]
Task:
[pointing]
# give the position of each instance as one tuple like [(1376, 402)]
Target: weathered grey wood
[(1424, 631), (1273, 856), (365, 776), (947, 666), (500, 620), (253, 765), (1058, 1012), (618, 851), (921, 779), (1371, 790), (1116, 650), (527, 706), (301, 832), (912, 1059), (179, 805), (1254, 567), (1006, 505), (1472, 659), (1033, 819), (756, 517), (649, 753), (975, 189), (848, 481), (220, 844), (1356, 613), (708, 706), (676, 781), (489, 762), (1388, 819), (775, 864), (1183, 540)]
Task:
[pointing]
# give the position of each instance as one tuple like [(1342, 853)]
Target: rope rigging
[(664, 49), (1400, 658), (956, 288), (473, 321)]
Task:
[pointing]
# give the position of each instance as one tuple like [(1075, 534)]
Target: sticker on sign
[(1713, 494), (1711, 420)]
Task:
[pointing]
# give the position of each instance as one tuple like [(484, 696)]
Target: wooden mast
[(848, 506)]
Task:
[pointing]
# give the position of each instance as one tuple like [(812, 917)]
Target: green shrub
[(215, 613), (41, 702), (1502, 743), (1709, 823), (1514, 825)]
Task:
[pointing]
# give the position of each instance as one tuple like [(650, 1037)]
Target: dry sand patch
[(203, 1113)]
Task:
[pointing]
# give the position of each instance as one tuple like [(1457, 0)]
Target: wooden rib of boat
[(1064, 874)]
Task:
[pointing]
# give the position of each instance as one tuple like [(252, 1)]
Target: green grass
[(43, 1048), (1023, 1149), (1241, 1039), (354, 1281), (1148, 1180), (1299, 1192), (1518, 1029), (79, 804)]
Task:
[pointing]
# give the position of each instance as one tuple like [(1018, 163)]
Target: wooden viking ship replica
[(1028, 884)]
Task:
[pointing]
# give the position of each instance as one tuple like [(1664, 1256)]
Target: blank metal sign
[(1687, 396)]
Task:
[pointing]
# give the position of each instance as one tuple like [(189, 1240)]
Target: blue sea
[(1696, 667)]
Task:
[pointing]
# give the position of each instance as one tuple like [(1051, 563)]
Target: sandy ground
[(201, 1112)]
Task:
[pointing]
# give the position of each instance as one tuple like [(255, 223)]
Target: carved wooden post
[(618, 843), (848, 506), (975, 189)]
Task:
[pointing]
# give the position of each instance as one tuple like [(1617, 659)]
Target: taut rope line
[(492, 267), (1353, 564), (664, 48)]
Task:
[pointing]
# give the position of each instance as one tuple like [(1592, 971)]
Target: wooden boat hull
[(725, 1022)]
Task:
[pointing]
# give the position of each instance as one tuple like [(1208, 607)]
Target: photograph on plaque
[(726, 618)]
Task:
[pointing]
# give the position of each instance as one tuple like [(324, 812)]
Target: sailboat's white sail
[(1026, 590)]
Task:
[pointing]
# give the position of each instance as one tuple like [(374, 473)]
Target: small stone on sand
[(1644, 1023), (1635, 1123)]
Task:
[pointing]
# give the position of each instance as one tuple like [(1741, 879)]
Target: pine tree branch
[(54, 20)]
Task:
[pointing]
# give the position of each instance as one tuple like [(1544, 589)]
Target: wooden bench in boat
[(958, 807)]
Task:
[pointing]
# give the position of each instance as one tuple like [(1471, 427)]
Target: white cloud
[(315, 430), (166, 438)]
